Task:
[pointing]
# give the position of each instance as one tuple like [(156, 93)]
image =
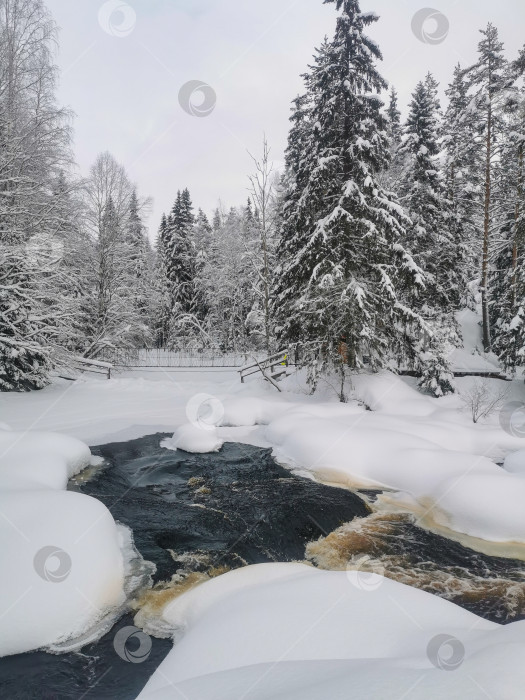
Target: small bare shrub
[(481, 399)]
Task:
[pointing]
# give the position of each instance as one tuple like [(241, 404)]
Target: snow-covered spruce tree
[(190, 327), (394, 118), (508, 274), (35, 138), (488, 81), (463, 173), (176, 250), (344, 279), (202, 239), (293, 185), (217, 220), (162, 288), (432, 88), (180, 265), (203, 233), (392, 176), (431, 236), (24, 362)]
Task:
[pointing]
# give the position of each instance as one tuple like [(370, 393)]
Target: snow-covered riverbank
[(433, 460), (444, 467), (290, 631), (67, 568), (62, 556)]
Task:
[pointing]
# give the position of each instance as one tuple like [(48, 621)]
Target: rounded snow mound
[(61, 555), (291, 631), (191, 438)]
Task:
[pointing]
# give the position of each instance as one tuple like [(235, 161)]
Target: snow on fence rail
[(170, 358), (277, 365), (73, 365)]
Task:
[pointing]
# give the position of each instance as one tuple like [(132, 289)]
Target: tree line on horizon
[(359, 256)]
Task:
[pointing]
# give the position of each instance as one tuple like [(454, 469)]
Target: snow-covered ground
[(292, 632), (98, 411), (284, 629), (443, 465), (470, 357), (429, 450)]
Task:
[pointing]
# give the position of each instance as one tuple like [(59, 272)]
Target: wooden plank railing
[(145, 358), (276, 364), (86, 364)]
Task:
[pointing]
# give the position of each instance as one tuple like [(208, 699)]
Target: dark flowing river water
[(214, 512)]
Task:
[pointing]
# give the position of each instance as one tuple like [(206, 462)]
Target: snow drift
[(427, 449), (61, 552), (291, 631)]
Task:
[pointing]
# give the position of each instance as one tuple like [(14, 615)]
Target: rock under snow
[(192, 438)]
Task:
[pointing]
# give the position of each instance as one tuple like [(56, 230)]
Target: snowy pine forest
[(357, 255)]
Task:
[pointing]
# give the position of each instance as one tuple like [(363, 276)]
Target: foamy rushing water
[(392, 544)]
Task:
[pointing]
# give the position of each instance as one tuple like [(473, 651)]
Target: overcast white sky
[(124, 89)]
